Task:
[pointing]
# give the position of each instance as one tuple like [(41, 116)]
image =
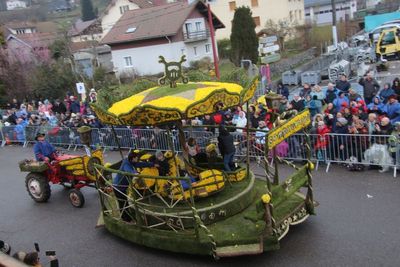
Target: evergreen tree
[(244, 41), (87, 10)]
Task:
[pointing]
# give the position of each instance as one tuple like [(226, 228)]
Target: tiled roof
[(139, 3), (79, 26), (35, 39), (153, 22)]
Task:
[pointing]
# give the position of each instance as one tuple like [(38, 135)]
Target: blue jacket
[(20, 131), (42, 150), (385, 93), (393, 112), (339, 101), (376, 107), (122, 181)]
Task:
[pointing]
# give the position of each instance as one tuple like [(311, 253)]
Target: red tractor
[(71, 171)]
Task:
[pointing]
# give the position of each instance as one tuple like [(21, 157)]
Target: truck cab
[(388, 44)]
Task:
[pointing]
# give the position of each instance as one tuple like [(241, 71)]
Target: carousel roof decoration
[(176, 101)]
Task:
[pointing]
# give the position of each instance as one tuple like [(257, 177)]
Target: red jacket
[(322, 139)]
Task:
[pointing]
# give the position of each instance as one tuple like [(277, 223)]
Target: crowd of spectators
[(339, 110)]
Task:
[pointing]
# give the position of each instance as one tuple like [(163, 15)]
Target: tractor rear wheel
[(38, 187), (76, 198)]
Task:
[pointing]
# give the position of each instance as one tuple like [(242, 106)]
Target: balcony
[(194, 36)]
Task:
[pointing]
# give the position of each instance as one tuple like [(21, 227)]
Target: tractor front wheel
[(76, 197), (38, 187)]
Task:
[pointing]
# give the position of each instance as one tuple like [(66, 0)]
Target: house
[(171, 30), (15, 4), (21, 27), (320, 11), (262, 11), (82, 31), (30, 47), (117, 8), (86, 56)]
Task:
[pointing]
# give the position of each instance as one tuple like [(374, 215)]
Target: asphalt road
[(357, 224)]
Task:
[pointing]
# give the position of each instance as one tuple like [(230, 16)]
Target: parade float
[(195, 209)]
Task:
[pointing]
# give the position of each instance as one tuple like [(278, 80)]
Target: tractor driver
[(43, 150)]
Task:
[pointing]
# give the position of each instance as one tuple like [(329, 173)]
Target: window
[(300, 15), (257, 21), (388, 39), (130, 30), (195, 50), (189, 27), (128, 61), (123, 9), (254, 3), (208, 46), (198, 26), (291, 15), (232, 6)]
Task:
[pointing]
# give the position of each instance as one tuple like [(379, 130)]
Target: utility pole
[(334, 30), (210, 24)]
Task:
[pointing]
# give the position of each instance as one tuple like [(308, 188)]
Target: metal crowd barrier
[(353, 150)]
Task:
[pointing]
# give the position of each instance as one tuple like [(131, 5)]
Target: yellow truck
[(388, 44)]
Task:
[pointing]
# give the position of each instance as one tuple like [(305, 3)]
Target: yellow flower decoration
[(311, 165), (107, 165), (266, 198)]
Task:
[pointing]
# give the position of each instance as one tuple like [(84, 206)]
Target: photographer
[(32, 259)]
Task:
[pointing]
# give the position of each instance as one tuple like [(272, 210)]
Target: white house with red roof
[(171, 30)]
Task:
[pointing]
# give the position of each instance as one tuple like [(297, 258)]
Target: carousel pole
[(116, 140), (248, 139)]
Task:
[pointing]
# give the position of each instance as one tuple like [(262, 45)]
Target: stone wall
[(293, 62)]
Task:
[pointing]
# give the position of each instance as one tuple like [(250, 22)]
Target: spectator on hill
[(59, 107), (92, 96), (376, 106), (313, 104), (341, 101), (282, 90), (317, 91), (75, 106), (371, 87), (392, 109), (343, 84), (298, 103), (353, 95), (331, 93), (306, 90), (396, 86), (386, 92)]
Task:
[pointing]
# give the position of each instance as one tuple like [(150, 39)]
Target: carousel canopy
[(163, 104)]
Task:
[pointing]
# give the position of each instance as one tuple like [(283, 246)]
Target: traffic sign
[(270, 49), (80, 87), (271, 58), (268, 39)]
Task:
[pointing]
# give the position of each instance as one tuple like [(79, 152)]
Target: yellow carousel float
[(193, 208)]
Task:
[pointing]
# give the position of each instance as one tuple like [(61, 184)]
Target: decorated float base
[(235, 220)]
